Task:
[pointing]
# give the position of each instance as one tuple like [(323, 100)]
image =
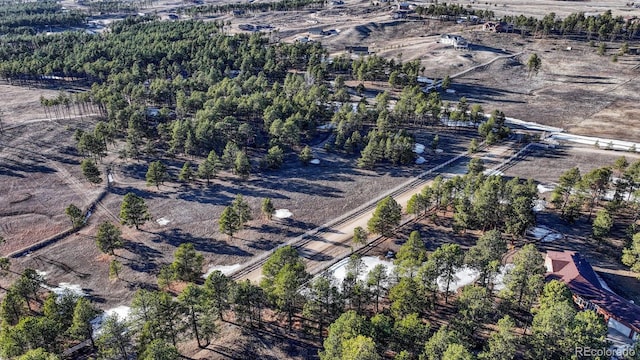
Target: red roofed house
[(574, 270)]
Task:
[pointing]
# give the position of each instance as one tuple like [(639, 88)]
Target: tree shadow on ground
[(146, 257), (176, 236), (263, 244), (117, 190), (18, 168)]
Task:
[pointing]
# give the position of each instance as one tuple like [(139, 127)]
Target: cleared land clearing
[(39, 177)]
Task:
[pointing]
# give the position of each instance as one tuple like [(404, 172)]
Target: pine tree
[(186, 173), (187, 263), (359, 236), (306, 155), (267, 208), (229, 222), (90, 171), (81, 327), (133, 211), (75, 215), (208, 168), (108, 237), (386, 217), (242, 166), (156, 173), (242, 209), (114, 269)]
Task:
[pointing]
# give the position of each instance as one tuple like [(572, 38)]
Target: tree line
[(19, 18)]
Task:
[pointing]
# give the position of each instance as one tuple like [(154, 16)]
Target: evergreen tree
[(200, 315), (267, 208), (160, 350), (274, 158), (218, 288), (187, 263), (109, 238), (90, 171), (133, 211), (75, 215), (114, 340), (502, 344), (631, 255), (242, 209), (449, 259), (186, 173), (242, 167), (385, 217), (411, 255), (602, 224), (306, 155), (156, 173), (229, 222), (524, 281), (115, 267), (208, 168), (359, 236), (490, 247), (81, 328)]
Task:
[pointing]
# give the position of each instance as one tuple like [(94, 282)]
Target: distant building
[(358, 50), (401, 14), (588, 293), (404, 6), (458, 42), (497, 27)]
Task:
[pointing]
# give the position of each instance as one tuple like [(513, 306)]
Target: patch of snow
[(490, 172), (315, 161), (420, 160), (545, 188), (450, 91), (539, 232), (110, 178), (225, 269), (43, 274), (602, 143), (464, 276), (544, 234), (326, 127), (339, 269), (447, 122), (418, 148), (163, 221), (498, 282), (121, 312), (66, 288), (552, 237), (283, 214), (439, 151), (539, 205), (87, 216), (530, 125)]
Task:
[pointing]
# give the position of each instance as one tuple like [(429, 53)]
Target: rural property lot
[(40, 175)]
